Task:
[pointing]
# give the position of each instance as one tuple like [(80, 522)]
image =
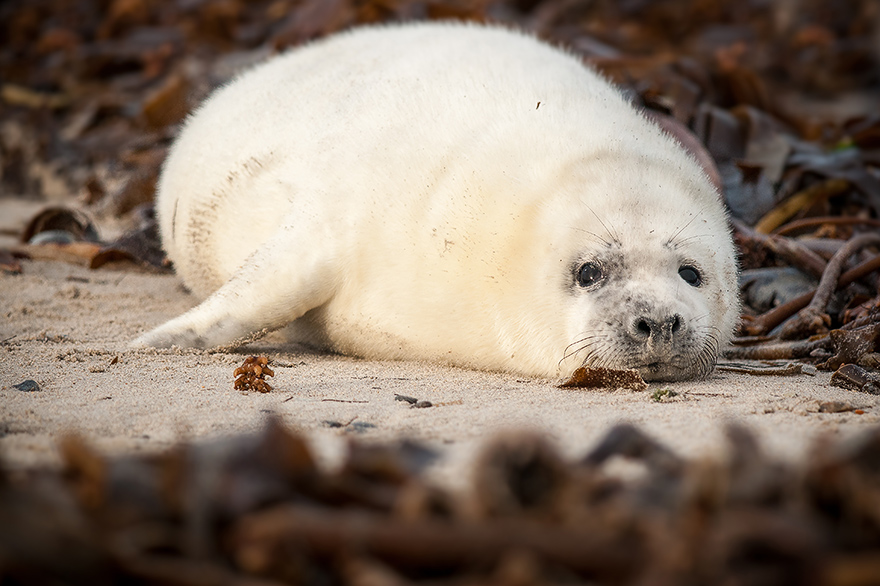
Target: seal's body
[(448, 192)]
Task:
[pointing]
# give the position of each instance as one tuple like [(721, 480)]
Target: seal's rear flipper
[(278, 283)]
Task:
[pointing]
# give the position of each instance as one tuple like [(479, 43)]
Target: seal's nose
[(656, 332)]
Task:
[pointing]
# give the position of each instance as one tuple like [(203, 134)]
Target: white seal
[(450, 192)]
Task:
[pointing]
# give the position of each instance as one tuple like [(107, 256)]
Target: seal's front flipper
[(278, 283)]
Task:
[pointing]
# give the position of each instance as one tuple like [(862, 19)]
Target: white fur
[(425, 191)]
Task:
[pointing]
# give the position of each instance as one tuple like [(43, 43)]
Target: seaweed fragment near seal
[(252, 375), (593, 377)]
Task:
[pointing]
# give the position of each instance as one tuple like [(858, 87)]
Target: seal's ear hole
[(589, 274), (691, 275)]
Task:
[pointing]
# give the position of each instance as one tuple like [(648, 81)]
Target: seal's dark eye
[(690, 275), (589, 274)]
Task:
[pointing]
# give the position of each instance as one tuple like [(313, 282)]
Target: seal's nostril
[(655, 330)]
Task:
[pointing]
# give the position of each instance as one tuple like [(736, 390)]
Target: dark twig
[(813, 319), (805, 198), (342, 401), (778, 351), (786, 249), (803, 223), (788, 369), (769, 320)]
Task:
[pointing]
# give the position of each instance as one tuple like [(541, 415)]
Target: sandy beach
[(67, 328)]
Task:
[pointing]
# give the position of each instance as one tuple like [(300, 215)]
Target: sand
[(67, 328)]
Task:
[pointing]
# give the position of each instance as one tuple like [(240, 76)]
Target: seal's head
[(652, 277)]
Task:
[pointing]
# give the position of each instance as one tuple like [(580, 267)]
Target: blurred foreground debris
[(259, 510)]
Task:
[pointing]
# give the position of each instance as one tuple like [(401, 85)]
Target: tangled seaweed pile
[(258, 510)]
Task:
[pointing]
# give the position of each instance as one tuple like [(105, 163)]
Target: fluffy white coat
[(429, 191)]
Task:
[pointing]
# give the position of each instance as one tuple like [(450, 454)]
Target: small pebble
[(835, 407), (855, 378), (360, 426), (27, 386)]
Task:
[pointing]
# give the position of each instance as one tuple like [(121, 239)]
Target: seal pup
[(451, 192)]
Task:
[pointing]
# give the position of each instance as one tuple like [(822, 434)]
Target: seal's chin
[(695, 361), (664, 371), (677, 369)]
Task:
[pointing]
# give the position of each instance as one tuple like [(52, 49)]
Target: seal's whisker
[(683, 241), (574, 352), (611, 233), (583, 343), (593, 234), (672, 239), (585, 337)]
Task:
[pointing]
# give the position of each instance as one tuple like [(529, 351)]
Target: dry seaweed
[(605, 378), (252, 375)]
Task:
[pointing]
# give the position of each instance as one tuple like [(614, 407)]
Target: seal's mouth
[(672, 370), (690, 364), (665, 370), (674, 363), (658, 370)]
